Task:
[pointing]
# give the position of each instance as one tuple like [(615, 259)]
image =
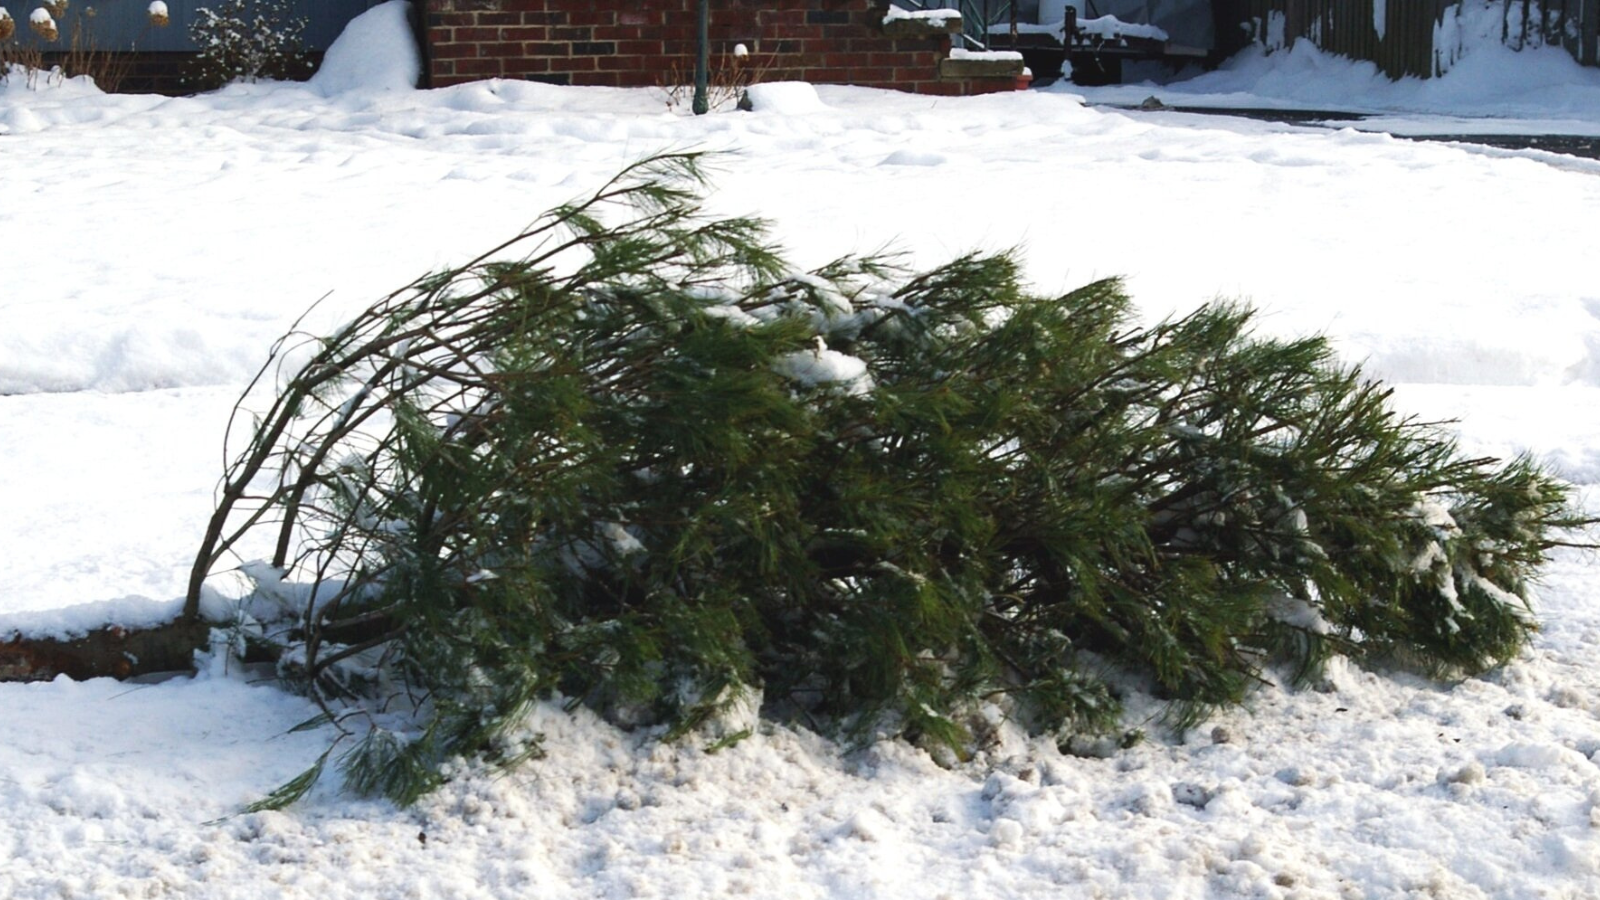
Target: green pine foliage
[(645, 466)]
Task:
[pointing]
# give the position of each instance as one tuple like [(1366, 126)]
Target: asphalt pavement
[(1571, 145)]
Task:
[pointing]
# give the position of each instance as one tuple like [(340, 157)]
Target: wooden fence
[(1403, 37), (1573, 24)]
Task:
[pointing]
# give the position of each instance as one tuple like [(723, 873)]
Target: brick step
[(992, 70)]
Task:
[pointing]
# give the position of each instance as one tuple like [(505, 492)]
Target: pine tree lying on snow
[(645, 466)]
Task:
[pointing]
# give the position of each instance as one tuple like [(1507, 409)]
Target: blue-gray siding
[(124, 24)]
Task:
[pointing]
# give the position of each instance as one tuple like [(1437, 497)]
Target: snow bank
[(1375, 789), (17, 83), (785, 98), (337, 196), (106, 497), (377, 51), (69, 622), (1484, 78)]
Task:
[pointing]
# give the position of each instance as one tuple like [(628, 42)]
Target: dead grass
[(730, 76), (42, 63), (28, 60)]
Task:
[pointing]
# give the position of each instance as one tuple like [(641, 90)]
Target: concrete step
[(981, 64)]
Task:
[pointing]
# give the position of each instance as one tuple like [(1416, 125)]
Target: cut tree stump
[(110, 652)]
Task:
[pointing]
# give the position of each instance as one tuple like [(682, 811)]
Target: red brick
[(592, 17), (478, 67), (573, 64), (527, 64), (471, 38), (454, 51), (844, 60), (500, 50), (640, 48)]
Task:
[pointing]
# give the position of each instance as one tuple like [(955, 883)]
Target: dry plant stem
[(29, 59), (371, 336), (83, 56), (728, 80)]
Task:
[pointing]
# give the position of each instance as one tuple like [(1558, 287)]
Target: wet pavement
[(1571, 145)]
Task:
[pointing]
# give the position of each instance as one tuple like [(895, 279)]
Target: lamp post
[(702, 59)]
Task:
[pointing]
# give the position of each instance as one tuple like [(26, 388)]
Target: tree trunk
[(110, 652)]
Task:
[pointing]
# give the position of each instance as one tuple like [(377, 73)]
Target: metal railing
[(978, 17), (987, 17)]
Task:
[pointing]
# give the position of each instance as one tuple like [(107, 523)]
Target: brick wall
[(640, 43)]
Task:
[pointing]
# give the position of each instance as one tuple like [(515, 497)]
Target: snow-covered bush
[(248, 40), (646, 466)]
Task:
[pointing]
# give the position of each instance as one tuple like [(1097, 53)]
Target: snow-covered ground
[(153, 249)]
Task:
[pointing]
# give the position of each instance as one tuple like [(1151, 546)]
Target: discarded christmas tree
[(632, 459)]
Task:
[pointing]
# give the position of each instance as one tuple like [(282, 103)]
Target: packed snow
[(1053, 19), (156, 247), (985, 55), (784, 98), (936, 15), (364, 58)]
